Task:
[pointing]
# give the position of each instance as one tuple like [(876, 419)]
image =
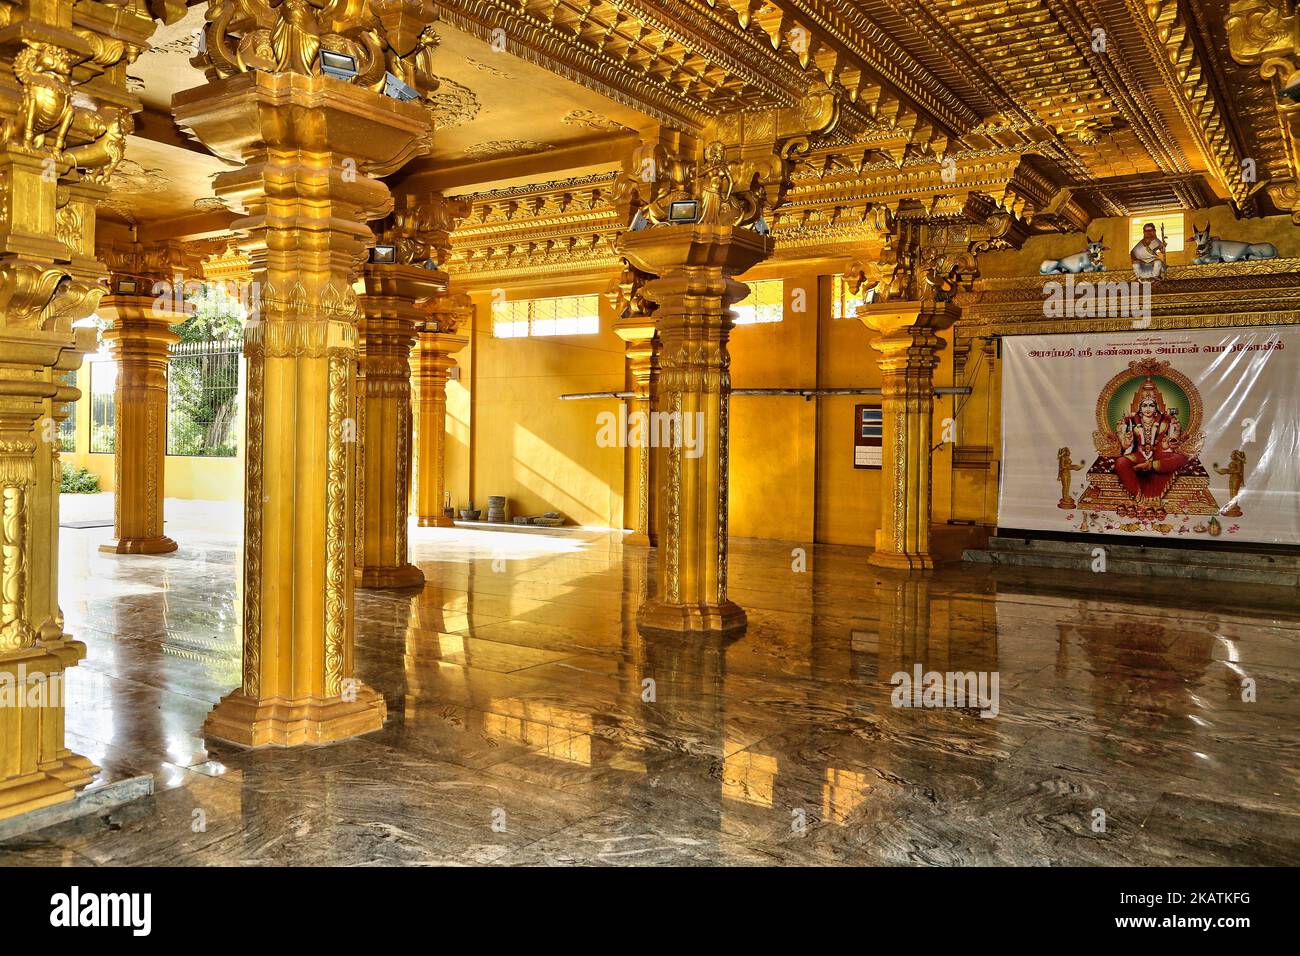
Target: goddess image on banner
[(1193, 433)]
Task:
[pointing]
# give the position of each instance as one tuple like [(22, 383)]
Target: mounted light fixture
[(385, 255), (684, 210), (398, 90), (127, 286), (340, 66)]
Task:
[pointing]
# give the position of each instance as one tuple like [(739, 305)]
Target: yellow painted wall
[(772, 465), (538, 451)]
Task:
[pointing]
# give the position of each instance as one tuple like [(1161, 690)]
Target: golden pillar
[(439, 340), (907, 338), (56, 151), (310, 147), (144, 302), (392, 309), (642, 367), (635, 325), (695, 265)]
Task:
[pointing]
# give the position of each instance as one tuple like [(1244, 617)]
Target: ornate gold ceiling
[(1058, 110)]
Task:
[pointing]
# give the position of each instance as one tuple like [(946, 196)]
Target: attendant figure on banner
[(1064, 470), (1236, 472)]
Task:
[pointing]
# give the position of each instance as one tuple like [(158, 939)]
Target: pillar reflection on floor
[(520, 730)]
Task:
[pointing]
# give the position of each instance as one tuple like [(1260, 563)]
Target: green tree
[(202, 417)]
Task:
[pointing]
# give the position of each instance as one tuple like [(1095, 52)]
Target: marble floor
[(530, 723)]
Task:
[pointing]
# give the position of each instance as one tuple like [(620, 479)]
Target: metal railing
[(203, 398)]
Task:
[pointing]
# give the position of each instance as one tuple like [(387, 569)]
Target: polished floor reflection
[(531, 724)]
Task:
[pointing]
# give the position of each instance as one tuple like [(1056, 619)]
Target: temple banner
[(1178, 434)]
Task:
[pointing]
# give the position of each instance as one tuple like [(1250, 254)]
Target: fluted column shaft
[(139, 338), (642, 364), (433, 365)]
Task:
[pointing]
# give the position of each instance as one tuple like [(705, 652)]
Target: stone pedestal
[(434, 350), (908, 342), (310, 147), (694, 265), (138, 338), (392, 309)]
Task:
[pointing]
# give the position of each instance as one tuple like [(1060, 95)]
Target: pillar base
[(403, 576), (638, 539), (159, 545), (284, 722), (703, 620), (901, 562), (55, 775), (32, 792), (441, 521)]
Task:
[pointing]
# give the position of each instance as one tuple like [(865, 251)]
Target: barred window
[(765, 302), (68, 427), (203, 398), (561, 315), (103, 406)]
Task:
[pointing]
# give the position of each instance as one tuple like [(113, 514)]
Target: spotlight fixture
[(127, 287), (383, 254), (398, 90), (684, 210), (341, 66)]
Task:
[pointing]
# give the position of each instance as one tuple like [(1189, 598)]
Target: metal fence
[(203, 398), (103, 408), (68, 427)]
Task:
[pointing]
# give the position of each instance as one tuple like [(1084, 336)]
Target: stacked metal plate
[(496, 509)]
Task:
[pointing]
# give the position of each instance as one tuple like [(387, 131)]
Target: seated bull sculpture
[(1211, 249), (1090, 260)]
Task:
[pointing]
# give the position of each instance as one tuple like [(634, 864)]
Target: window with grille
[(203, 398), (68, 427), (765, 302), (561, 315), (103, 408)]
